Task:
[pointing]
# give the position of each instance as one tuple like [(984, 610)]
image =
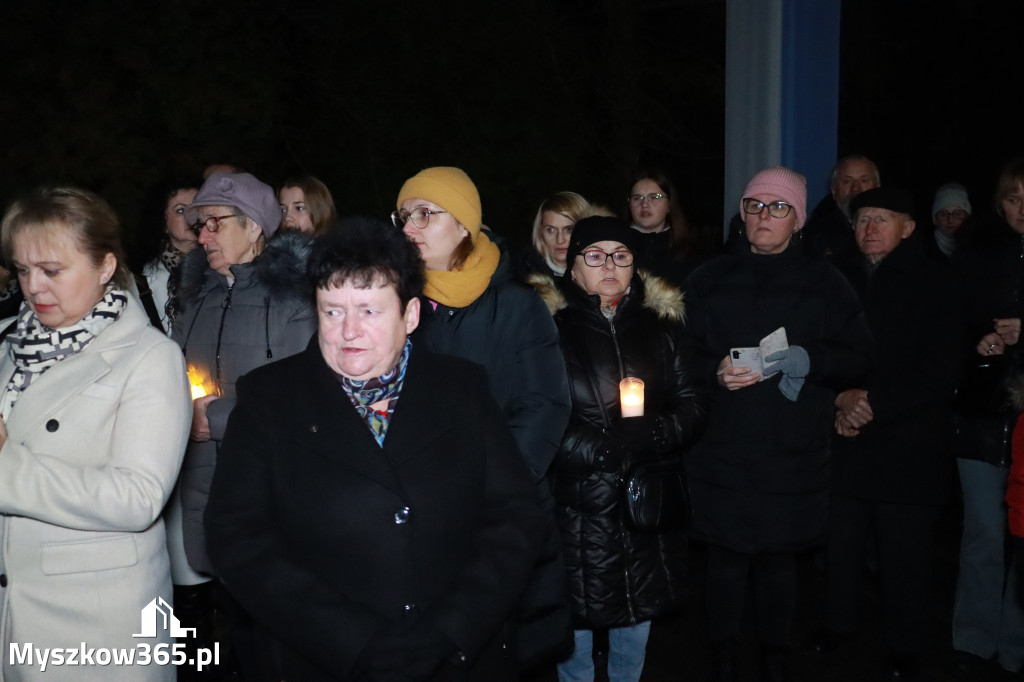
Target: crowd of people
[(390, 449)]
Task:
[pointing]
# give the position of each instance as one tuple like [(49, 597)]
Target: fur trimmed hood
[(281, 267), (665, 300)]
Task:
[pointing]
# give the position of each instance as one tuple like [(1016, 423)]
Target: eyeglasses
[(776, 209), (640, 198), (419, 217), (212, 223), (597, 259), (957, 214)]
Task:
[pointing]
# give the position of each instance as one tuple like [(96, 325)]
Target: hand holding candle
[(631, 397)]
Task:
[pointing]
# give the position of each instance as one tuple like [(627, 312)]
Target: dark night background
[(529, 97)]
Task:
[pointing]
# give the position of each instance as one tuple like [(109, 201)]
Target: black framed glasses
[(957, 214), (212, 223), (651, 198), (597, 259), (420, 217), (776, 209)]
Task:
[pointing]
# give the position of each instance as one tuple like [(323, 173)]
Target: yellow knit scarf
[(459, 288)]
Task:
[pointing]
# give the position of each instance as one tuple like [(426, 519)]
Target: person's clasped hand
[(794, 363)]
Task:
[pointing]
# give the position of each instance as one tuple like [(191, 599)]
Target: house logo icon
[(159, 614)]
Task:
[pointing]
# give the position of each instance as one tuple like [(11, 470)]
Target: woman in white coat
[(95, 414)]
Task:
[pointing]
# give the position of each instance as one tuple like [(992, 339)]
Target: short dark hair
[(365, 251), (147, 241)]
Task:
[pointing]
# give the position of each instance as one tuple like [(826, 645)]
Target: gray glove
[(794, 363)]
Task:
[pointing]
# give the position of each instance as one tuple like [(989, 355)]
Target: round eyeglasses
[(597, 259), (420, 217), (776, 209), (956, 214), (212, 223)]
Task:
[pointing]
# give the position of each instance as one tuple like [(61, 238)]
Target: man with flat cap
[(891, 466)]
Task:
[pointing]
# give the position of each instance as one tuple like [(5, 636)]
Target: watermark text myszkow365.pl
[(156, 615)]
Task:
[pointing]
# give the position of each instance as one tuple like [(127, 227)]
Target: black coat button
[(402, 515), (3, 580), (52, 425)]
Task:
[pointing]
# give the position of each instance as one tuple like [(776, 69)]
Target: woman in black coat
[(369, 509), (613, 324), (759, 476)]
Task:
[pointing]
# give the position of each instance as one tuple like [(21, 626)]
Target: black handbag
[(657, 497)]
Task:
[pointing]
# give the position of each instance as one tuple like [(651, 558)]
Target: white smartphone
[(747, 357)]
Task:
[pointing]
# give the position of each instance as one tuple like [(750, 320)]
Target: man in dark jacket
[(890, 464), (829, 231)]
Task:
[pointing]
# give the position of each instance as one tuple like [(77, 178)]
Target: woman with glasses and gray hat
[(759, 476), (243, 301), (474, 308)]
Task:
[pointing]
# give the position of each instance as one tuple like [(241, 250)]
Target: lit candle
[(197, 384), (631, 397)]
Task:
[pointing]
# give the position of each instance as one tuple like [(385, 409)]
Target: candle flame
[(197, 384)]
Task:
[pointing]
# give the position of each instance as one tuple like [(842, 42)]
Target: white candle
[(631, 397)]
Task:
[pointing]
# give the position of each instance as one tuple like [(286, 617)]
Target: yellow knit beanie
[(451, 189)]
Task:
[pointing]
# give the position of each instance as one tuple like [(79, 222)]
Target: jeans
[(627, 647), (988, 619)]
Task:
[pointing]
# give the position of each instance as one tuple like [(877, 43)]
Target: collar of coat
[(281, 267), (660, 297)]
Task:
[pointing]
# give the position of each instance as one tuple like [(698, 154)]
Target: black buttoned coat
[(902, 455), (325, 538)]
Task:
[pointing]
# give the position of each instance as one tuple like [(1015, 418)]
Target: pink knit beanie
[(788, 185)]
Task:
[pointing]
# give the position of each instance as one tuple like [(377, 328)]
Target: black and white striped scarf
[(35, 348)]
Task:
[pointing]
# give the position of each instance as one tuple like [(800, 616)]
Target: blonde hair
[(566, 204), (89, 218)]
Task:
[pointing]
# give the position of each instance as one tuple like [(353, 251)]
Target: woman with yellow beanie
[(474, 308)]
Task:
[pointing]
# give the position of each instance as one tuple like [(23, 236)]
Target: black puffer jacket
[(760, 474), (617, 577)]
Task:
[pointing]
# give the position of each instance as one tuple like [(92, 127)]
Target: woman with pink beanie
[(759, 476)]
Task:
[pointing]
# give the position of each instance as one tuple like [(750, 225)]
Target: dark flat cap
[(889, 198)]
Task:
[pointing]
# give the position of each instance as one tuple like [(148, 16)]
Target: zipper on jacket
[(618, 352), (225, 306)]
